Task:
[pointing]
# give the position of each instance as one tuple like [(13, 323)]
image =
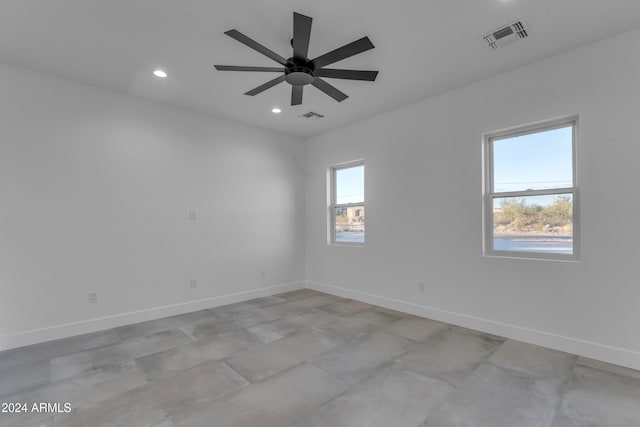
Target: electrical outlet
[(263, 274), (192, 215), (92, 298), (193, 283), (421, 287)]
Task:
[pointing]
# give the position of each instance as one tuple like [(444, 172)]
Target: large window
[(346, 210), (531, 194)]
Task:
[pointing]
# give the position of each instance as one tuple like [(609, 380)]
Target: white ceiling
[(423, 47)]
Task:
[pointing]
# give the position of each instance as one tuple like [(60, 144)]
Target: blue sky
[(535, 161), (350, 185)]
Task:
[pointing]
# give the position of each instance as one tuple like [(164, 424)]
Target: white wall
[(424, 169), (95, 191)]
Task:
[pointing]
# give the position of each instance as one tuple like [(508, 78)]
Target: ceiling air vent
[(312, 116), (507, 34)]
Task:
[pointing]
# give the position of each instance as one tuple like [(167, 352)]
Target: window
[(347, 203), (531, 195)]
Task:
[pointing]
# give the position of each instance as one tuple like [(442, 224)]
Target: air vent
[(312, 116), (507, 34)]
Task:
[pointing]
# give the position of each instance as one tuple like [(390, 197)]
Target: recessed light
[(276, 110), (160, 73)]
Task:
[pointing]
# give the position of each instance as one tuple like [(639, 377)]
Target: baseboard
[(35, 336), (618, 356), (602, 352)]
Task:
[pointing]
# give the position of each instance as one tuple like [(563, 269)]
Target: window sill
[(532, 257), (347, 244)]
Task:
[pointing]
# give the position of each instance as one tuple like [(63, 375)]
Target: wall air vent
[(507, 34), (311, 116)]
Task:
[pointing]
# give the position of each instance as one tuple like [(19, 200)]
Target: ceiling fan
[(299, 70)]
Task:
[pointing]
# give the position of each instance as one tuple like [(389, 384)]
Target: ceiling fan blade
[(296, 95), (329, 90), (267, 85), (301, 35), (235, 34), (242, 68), (346, 51), (346, 74)]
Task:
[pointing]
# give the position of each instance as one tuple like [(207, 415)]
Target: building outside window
[(531, 194)]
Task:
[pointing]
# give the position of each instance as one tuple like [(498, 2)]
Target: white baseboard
[(35, 336), (618, 356), (602, 352)]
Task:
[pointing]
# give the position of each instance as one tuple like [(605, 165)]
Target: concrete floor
[(309, 359)]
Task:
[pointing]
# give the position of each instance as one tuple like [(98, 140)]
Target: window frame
[(333, 198), (489, 195)]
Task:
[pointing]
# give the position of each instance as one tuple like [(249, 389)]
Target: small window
[(531, 194), (347, 203)]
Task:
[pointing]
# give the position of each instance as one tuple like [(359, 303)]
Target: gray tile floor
[(306, 359)]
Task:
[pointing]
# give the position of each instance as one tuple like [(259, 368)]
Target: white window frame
[(489, 195), (333, 205)]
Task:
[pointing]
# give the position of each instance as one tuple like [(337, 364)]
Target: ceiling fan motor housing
[(298, 72)]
